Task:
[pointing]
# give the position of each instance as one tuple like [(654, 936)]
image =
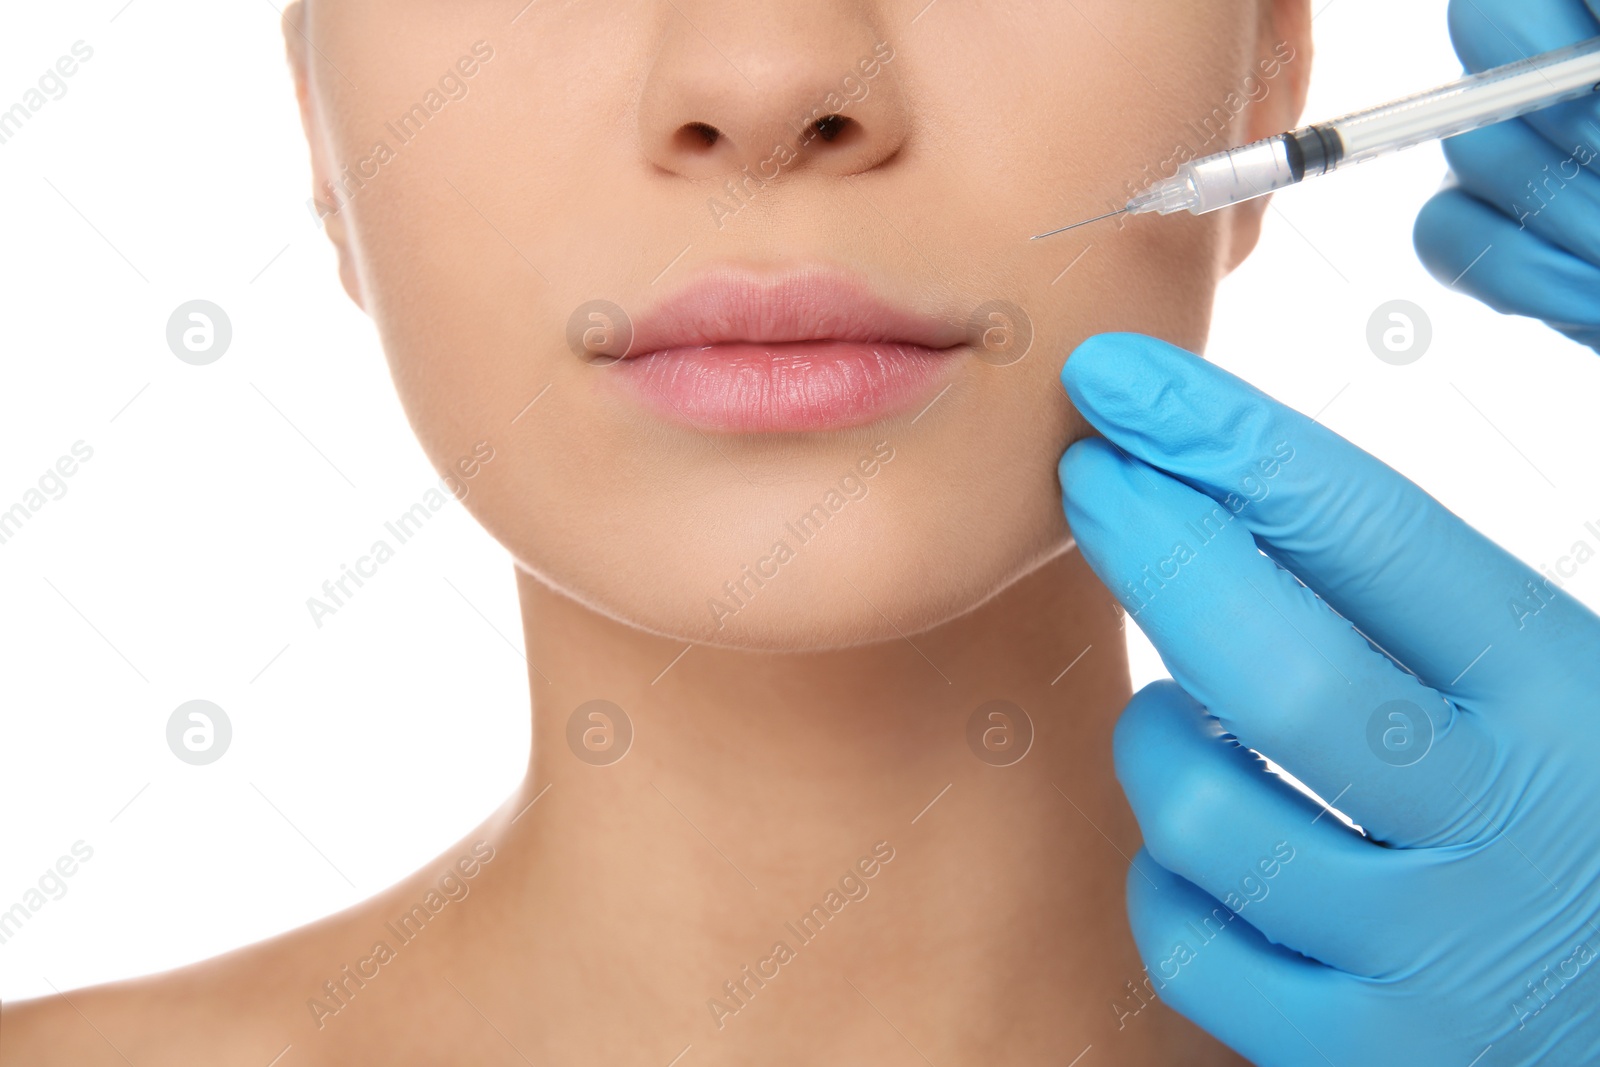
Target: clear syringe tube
[(1479, 100)]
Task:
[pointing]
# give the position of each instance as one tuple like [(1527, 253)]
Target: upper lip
[(731, 305)]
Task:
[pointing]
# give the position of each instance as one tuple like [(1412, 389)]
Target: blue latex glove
[(1529, 189), (1465, 923)]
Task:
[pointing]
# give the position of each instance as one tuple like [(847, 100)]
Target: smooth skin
[(833, 714), (573, 169)]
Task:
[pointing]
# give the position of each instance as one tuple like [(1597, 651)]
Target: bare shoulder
[(308, 997), (215, 1012)]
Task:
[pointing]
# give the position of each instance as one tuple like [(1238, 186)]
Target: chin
[(864, 587)]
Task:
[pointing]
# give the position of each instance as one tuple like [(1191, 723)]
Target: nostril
[(831, 127), (694, 136)]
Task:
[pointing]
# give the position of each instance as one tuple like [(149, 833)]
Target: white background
[(178, 563)]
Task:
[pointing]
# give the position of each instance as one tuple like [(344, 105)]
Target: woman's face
[(839, 418)]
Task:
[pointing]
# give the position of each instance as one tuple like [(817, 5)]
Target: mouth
[(812, 349)]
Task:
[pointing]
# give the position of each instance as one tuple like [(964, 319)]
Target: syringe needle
[(1236, 175), (1075, 225)]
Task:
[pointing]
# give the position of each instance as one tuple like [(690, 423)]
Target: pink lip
[(811, 349)]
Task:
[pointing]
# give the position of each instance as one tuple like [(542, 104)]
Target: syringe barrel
[(1507, 92), (1241, 174), (1471, 103)]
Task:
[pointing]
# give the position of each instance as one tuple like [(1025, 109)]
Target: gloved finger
[(1259, 999), (1277, 1008), (1545, 191), (1471, 246), (1282, 673), (1425, 586), (1491, 33), (1211, 811)]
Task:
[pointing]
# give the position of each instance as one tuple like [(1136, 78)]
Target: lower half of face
[(840, 417)]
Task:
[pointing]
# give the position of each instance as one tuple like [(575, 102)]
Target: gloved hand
[(1440, 693), (1529, 189)]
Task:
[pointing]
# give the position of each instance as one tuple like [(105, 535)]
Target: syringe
[(1479, 100)]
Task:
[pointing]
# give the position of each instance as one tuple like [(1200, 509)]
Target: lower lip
[(777, 388)]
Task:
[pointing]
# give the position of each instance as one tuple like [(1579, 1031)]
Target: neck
[(759, 790)]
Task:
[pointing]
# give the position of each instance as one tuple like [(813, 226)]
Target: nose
[(774, 86)]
